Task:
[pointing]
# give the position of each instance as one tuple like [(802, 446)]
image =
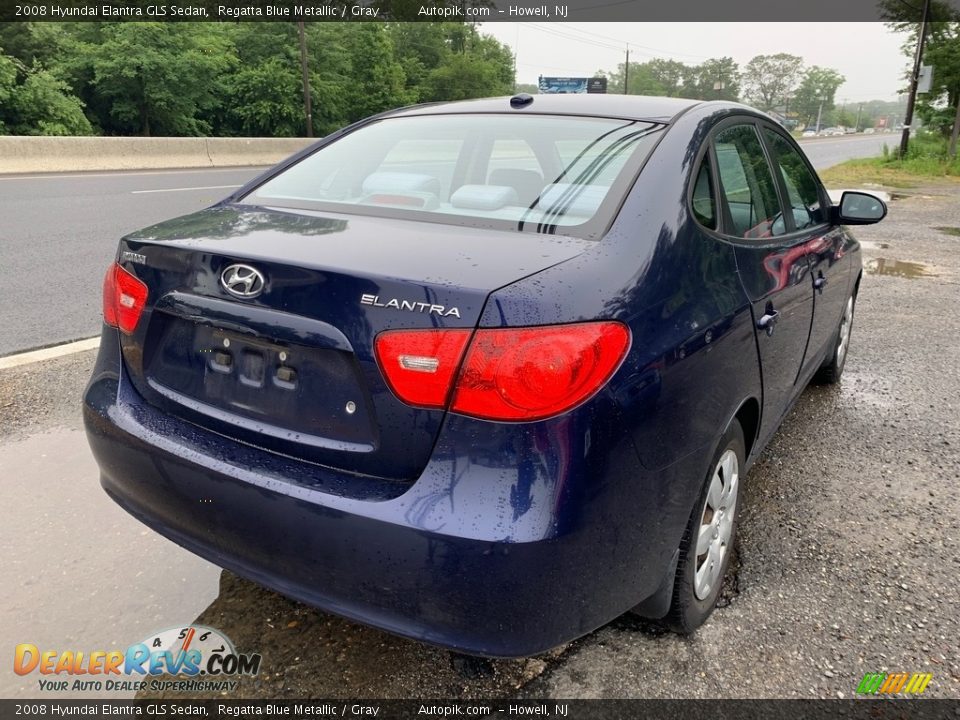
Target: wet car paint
[(588, 507)]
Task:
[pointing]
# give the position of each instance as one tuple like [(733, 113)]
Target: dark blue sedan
[(485, 374)]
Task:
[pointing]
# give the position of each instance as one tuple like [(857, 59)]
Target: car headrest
[(484, 197), (527, 183), (379, 182)]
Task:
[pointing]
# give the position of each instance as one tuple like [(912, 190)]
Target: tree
[(768, 79), (35, 102), (376, 80), (267, 100), (670, 75), (641, 79), (702, 80), (8, 83), (819, 85), (940, 108), (159, 78), (462, 78)]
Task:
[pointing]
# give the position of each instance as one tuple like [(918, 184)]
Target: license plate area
[(223, 378)]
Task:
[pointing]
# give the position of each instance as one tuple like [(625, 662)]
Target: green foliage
[(819, 85), (671, 78), (702, 81), (768, 80), (34, 102), (266, 100), (161, 78), (938, 108), (926, 155), (234, 79), (43, 106)]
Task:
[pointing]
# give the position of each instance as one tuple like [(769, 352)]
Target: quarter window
[(747, 183), (704, 203)]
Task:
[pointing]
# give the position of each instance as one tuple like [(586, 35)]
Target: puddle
[(899, 268), (947, 230)]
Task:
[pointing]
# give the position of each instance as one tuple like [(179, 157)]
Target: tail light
[(419, 365), (506, 374), (124, 297)]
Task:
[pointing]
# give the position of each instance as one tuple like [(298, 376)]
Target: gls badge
[(410, 306)]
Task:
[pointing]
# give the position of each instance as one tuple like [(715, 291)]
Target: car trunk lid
[(291, 368)]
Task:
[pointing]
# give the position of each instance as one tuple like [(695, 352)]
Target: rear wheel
[(708, 541), (832, 368)]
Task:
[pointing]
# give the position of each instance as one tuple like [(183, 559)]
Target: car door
[(772, 261), (829, 265)]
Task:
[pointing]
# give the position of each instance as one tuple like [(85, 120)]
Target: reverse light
[(124, 298), (419, 365), (506, 373)]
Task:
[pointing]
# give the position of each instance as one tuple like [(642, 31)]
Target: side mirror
[(858, 208)]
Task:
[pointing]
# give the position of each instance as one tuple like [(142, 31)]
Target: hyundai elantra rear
[(400, 377)]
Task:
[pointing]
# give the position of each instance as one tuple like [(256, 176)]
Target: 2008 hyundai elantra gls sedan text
[(484, 374)]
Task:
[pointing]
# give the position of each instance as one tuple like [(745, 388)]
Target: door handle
[(819, 283), (769, 320)]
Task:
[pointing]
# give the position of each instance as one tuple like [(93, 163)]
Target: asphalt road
[(59, 233), (847, 563)]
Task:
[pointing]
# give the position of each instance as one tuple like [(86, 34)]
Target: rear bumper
[(495, 557)]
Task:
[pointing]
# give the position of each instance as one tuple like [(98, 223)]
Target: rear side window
[(704, 203), (802, 192), (748, 187), (524, 172)]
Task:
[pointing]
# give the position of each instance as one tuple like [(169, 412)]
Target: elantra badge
[(242, 281), (410, 306)]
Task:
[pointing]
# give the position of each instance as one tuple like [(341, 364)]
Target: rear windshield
[(531, 173)]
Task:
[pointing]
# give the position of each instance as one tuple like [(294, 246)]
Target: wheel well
[(749, 418)]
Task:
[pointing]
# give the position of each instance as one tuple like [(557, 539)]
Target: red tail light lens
[(419, 365), (124, 297), (533, 373), (507, 374)]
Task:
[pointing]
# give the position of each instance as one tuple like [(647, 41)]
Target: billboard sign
[(569, 85)]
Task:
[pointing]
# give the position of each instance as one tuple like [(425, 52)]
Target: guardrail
[(27, 154)]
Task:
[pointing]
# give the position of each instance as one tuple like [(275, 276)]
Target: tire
[(832, 368), (700, 575)]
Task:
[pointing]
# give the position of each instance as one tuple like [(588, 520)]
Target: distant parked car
[(832, 131), (485, 374), (809, 133), (869, 131)]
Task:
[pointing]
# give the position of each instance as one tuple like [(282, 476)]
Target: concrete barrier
[(23, 154)]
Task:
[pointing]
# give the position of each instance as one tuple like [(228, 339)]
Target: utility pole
[(952, 150), (819, 113), (914, 79), (859, 111), (306, 79), (626, 73)]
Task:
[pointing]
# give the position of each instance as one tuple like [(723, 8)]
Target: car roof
[(633, 107)]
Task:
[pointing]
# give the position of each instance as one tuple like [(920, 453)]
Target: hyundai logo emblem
[(242, 281)]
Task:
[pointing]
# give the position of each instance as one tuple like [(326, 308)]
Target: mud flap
[(657, 605)]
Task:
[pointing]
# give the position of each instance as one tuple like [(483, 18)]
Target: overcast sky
[(867, 54)]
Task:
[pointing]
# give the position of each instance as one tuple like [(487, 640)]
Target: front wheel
[(707, 544), (832, 368)]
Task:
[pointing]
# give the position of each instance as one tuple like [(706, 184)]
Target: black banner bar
[(812, 11), (868, 709)]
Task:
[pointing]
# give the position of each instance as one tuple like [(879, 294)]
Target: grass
[(926, 160), (955, 231)]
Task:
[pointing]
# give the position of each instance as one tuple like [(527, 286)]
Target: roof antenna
[(521, 100)]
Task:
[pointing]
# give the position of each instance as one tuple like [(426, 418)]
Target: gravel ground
[(849, 548)]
